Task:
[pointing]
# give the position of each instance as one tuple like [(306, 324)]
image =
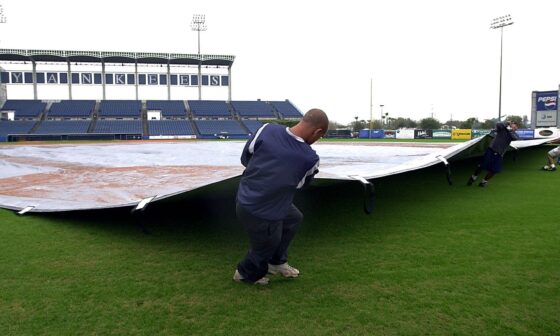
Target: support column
[(69, 81), (136, 77), (199, 77), (229, 83), (168, 81), (34, 76), (103, 77)]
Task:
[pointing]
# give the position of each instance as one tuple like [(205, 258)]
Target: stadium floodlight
[(501, 22), (2, 17), (198, 24), (370, 105)]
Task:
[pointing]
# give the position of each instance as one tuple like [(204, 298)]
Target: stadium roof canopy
[(25, 55)]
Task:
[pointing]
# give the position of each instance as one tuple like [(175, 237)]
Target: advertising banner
[(390, 134), (547, 101), (545, 133), (171, 137), (441, 134), (423, 134), (371, 134), (363, 134), (546, 118), (477, 133), (377, 134), (405, 134), (461, 134), (525, 133)]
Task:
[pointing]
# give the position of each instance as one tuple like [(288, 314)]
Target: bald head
[(312, 126), (316, 118)]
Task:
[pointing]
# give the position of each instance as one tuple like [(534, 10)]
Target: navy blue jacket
[(503, 138), (277, 164)]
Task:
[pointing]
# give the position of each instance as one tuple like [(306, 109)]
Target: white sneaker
[(239, 278), (284, 269)]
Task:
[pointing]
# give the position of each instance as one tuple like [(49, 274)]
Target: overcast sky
[(423, 57)]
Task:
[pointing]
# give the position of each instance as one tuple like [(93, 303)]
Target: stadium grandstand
[(24, 109), (66, 119), (63, 127), (79, 109), (207, 108), (253, 109), (120, 109), (162, 128), (169, 109)]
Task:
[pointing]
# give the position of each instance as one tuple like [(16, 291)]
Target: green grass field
[(432, 259)]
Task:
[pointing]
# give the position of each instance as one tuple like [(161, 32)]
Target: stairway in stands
[(94, 117), (144, 117), (191, 120), (42, 117)]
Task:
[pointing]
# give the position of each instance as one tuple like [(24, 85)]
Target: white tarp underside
[(50, 178)]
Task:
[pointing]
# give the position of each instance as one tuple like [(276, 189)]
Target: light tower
[(198, 24), (501, 22), (370, 105)]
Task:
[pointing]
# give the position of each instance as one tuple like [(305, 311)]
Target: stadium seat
[(168, 108), (286, 109), (252, 125), (24, 108), (209, 108), (170, 127), (118, 127), (72, 109), (63, 127), (256, 109), (120, 108), (15, 127), (216, 127)]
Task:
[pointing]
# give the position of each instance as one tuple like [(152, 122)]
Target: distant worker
[(278, 160), (551, 156), (493, 157)]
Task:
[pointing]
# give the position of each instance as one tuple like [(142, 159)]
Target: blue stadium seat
[(168, 108), (209, 108), (286, 109), (118, 127), (24, 108), (253, 109), (15, 127), (63, 127), (216, 127), (252, 125), (120, 108), (72, 108), (170, 127)]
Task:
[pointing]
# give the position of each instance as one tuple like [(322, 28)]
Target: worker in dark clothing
[(279, 161), (551, 156), (493, 157)]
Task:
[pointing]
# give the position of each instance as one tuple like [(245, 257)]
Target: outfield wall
[(453, 134)]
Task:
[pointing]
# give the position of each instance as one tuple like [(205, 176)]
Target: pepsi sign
[(547, 101)]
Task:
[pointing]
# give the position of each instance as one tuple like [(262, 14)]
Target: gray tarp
[(50, 178)]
